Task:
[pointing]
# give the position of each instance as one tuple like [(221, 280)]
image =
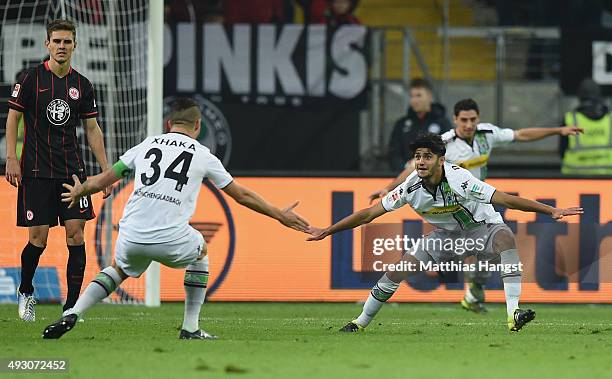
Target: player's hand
[(317, 234), (377, 194), (559, 213), (570, 130), (13, 172), (106, 192), (72, 196), (293, 220)]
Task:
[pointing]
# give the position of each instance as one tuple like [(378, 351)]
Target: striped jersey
[(52, 109)]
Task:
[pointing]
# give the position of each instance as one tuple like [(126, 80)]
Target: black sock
[(74, 274), (29, 261)]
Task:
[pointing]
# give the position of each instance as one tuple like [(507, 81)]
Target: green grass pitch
[(270, 340)]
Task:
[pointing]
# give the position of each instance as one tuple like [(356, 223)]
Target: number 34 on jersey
[(169, 170)]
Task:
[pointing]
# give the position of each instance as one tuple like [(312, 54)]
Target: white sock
[(102, 286), (381, 292), (469, 297), (512, 280), (475, 277), (469, 278), (196, 280), (513, 293)]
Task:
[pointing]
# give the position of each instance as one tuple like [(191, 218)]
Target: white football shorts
[(134, 258)]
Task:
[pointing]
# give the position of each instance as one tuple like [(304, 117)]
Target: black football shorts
[(39, 203)]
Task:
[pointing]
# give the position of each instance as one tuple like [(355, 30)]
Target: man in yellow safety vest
[(589, 153)]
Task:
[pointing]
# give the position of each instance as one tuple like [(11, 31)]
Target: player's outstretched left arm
[(534, 134), (93, 184), (252, 200), (516, 202), (95, 138), (361, 217)]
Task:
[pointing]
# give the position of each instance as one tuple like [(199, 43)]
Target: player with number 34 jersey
[(169, 170), (176, 158)]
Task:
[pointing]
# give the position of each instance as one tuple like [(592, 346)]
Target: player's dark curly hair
[(466, 105), (429, 141)]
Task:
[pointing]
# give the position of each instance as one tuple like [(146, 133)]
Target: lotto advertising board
[(254, 258)]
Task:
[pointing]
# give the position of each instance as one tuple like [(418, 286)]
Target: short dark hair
[(61, 24), (421, 83), (185, 111), (431, 141), (466, 105)]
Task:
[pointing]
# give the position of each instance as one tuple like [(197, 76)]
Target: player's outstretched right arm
[(252, 200), (409, 168), (515, 202), (534, 134), (94, 184), (12, 171)]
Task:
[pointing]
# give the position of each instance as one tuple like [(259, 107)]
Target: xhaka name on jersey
[(171, 142)]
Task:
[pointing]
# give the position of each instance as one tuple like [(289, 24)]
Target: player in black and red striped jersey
[(53, 98)]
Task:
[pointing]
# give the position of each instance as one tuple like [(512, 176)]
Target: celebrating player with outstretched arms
[(459, 204), (169, 170), (469, 146)]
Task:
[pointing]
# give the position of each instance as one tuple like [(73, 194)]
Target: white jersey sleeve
[(216, 172), (401, 194), (394, 199), (501, 136), (448, 136), (466, 185)]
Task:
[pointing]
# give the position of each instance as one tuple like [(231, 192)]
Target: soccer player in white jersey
[(469, 145), (452, 199), (169, 170)]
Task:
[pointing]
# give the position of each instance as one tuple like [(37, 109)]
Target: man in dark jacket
[(423, 116)]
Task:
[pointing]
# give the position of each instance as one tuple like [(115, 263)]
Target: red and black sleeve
[(87, 105), (23, 91)]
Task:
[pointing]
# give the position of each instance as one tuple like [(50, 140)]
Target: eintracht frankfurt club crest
[(74, 93), (58, 112), (215, 132)]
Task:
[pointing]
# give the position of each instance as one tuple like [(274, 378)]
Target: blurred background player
[(169, 170), (591, 152), (434, 191), (53, 98), (469, 146), (424, 116)]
